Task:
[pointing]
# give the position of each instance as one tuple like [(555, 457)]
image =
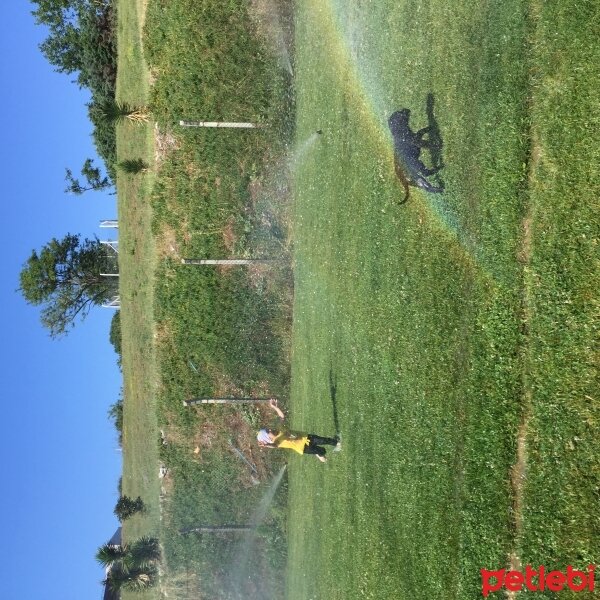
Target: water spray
[(241, 456)]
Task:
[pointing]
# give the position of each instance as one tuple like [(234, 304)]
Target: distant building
[(115, 540), (108, 595)]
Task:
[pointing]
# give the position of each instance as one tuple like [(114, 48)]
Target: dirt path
[(518, 476)]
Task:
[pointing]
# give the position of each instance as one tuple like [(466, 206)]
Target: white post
[(194, 401), (226, 261), (112, 244), (115, 302), (109, 223), (216, 529), (220, 124)]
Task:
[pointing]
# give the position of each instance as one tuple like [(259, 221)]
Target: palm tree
[(117, 112), (108, 555), (130, 566), (135, 580), (144, 552)]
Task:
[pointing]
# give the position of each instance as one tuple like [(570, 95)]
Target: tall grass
[(219, 331)]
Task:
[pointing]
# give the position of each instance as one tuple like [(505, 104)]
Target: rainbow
[(335, 20)]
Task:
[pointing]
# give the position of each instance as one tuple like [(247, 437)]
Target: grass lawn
[(451, 340), (561, 525), (136, 267), (431, 334)]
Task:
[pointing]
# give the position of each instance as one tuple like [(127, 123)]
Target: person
[(302, 443)]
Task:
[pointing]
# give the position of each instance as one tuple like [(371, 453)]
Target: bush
[(126, 507), (116, 414), (115, 334)]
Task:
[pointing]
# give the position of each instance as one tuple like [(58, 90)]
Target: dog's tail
[(403, 179)]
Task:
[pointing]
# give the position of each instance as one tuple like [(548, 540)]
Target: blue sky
[(60, 460)]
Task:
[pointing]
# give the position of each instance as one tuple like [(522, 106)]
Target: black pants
[(313, 446)]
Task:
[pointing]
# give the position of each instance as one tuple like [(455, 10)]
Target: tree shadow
[(333, 396)]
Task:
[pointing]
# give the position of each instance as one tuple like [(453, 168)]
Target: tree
[(115, 412), (110, 554), (133, 166), (130, 566), (126, 507), (82, 39), (114, 336), (142, 554), (66, 277), (62, 47), (55, 12), (92, 175), (77, 35), (134, 580)]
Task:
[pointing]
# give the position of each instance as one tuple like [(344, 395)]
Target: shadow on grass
[(436, 142), (333, 396)]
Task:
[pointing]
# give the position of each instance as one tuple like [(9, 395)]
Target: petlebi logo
[(537, 580)]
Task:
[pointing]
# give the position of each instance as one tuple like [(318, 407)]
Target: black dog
[(407, 149)]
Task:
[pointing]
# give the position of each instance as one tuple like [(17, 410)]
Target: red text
[(537, 580)]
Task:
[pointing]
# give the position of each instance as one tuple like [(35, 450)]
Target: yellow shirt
[(289, 440)]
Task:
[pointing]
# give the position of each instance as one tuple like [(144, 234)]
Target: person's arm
[(264, 445), (273, 405)]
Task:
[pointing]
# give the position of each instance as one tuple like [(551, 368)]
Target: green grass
[(562, 524), (426, 333), (412, 317), (136, 267)]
